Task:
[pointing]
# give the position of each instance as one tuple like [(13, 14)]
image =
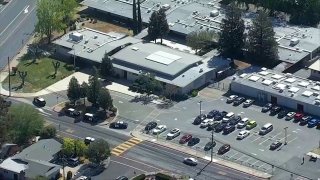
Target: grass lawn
[(316, 151), (39, 75)]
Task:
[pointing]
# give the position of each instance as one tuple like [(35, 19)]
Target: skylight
[(163, 57), (267, 82), (254, 78), (307, 93), (303, 84), (290, 80), (293, 89), (264, 73), (317, 88), (281, 86), (277, 76)]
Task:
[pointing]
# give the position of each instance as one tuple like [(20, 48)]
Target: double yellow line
[(117, 151)]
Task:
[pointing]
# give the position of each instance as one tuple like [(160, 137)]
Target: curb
[(217, 163)]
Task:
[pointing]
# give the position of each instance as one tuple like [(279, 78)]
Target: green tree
[(200, 39), (232, 39), (49, 18), (106, 67), (94, 87), (98, 151), (146, 83), (139, 19), (4, 120), (262, 46), (83, 91), (105, 100), (67, 9), (25, 123), (74, 90), (134, 17), (153, 27), (48, 132), (80, 147), (163, 24), (68, 147)]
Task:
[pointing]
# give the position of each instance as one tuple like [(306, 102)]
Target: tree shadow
[(16, 88), (52, 76)]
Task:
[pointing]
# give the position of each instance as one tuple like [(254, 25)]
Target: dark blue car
[(313, 123)]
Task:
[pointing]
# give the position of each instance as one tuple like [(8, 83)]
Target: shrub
[(48, 132), (194, 93), (69, 175)]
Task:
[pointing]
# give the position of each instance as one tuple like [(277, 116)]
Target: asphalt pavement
[(17, 23)]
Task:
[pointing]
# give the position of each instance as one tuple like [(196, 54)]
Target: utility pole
[(200, 102), (74, 58), (285, 136), (9, 76), (212, 147)]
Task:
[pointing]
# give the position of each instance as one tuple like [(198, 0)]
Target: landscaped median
[(39, 74)]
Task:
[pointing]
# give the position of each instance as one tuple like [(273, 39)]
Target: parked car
[(243, 123), (290, 116), (248, 102), (275, 145), (173, 133), (193, 141), (213, 125), (184, 139), (275, 110), (224, 148), (209, 145), (305, 120), (88, 140), (90, 117), (212, 113), (202, 117), (243, 134), (313, 122), (73, 161), (39, 101), (265, 129), (151, 125), (238, 101), (205, 123), (298, 117), (282, 113), (199, 119), (220, 115), (235, 120), (251, 125), (266, 107), (159, 129), (122, 178), (231, 98), (227, 117), (220, 127), (72, 112), (118, 125), (228, 129), (190, 161)]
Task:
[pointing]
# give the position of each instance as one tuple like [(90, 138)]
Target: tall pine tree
[(134, 17), (73, 91), (139, 18), (163, 24), (153, 28), (94, 87), (262, 46), (232, 38)]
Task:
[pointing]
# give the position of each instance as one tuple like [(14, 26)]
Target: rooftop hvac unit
[(75, 36), (201, 70), (149, 10), (158, 5), (86, 41), (294, 41), (214, 13), (288, 75), (280, 90), (315, 94), (263, 69), (135, 48), (166, 6), (292, 94), (95, 37)]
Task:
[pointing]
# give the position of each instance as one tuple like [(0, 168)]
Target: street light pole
[(212, 144), (285, 136)]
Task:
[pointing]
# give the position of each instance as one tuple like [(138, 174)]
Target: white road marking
[(264, 141), (261, 150), (292, 140), (25, 11), (137, 120), (285, 137), (256, 139), (12, 21), (294, 131), (262, 165), (233, 155), (254, 163), (299, 130), (157, 120), (43, 112), (248, 160), (175, 119), (254, 154), (240, 157), (276, 135), (209, 158), (128, 166), (120, 102)]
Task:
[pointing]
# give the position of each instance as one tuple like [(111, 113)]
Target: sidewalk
[(202, 155)]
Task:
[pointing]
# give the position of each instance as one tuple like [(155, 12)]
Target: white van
[(266, 129), (228, 117), (243, 123)]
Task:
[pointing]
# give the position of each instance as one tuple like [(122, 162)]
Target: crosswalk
[(117, 151)]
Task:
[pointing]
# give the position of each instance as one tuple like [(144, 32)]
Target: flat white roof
[(276, 76), (267, 82), (317, 88), (315, 66), (290, 80), (281, 86), (303, 83), (264, 73), (307, 93), (254, 78), (163, 57), (294, 89), (243, 75)]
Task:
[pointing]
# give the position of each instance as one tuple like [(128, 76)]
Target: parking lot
[(251, 151)]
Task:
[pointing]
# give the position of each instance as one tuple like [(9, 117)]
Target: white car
[(190, 161), (243, 123), (159, 129), (231, 98), (88, 140), (290, 115), (243, 134), (205, 123), (173, 133)]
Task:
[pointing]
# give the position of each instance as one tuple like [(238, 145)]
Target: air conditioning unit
[(292, 94)]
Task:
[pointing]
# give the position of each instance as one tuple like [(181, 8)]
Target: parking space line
[(262, 165), (240, 157), (256, 139), (265, 141), (248, 160), (233, 155), (284, 137), (276, 135), (254, 163), (292, 140)]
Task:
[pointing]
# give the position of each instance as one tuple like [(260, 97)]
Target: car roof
[(40, 98), (250, 122), (88, 114), (71, 109)]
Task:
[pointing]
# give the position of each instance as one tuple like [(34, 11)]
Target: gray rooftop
[(43, 150), (155, 58), (42, 168), (287, 85), (185, 16), (94, 44)]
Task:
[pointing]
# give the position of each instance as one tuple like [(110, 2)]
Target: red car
[(185, 138), (298, 116)]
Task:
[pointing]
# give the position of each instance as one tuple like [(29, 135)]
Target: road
[(17, 21), (141, 157)]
